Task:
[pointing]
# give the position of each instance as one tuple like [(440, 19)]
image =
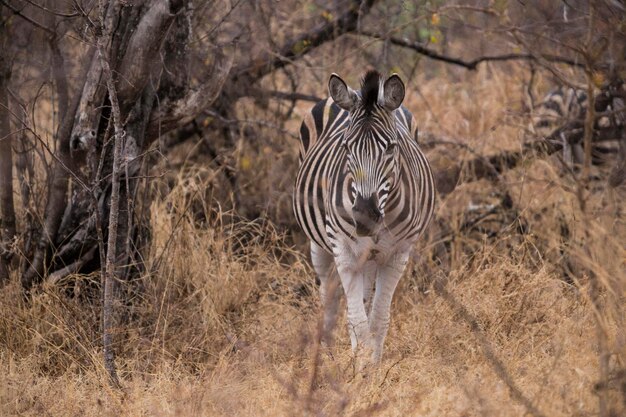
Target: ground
[(504, 315)]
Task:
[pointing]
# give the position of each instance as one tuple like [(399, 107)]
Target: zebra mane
[(369, 89)]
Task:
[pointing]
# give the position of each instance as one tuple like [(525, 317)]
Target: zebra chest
[(379, 248)]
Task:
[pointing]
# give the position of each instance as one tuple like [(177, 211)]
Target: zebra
[(560, 106), (364, 193), (566, 106)]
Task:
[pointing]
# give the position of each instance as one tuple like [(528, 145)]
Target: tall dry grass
[(503, 311)]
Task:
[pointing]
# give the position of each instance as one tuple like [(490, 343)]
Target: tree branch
[(281, 95), (169, 116), (57, 197), (489, 167), (142, 54), (60, 76), (252, 71), (471, 64), (53, 12), (73, 268), (7, 209), (32, 21), (110, 271)]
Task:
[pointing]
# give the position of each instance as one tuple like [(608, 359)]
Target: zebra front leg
[(568, 155), (369, 277), (324, 266), (578, 154), (388, 277), (358, 325)]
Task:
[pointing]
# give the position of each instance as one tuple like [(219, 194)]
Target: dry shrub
[(521, 305)]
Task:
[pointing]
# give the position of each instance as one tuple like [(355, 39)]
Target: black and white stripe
[(364, 194), (564, 109)]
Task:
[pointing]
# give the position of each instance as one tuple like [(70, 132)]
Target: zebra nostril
[(367, 208), (377, 214)]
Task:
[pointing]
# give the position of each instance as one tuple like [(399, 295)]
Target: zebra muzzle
[(367, 215)]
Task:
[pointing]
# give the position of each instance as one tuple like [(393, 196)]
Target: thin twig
[(27, 18), (54, 12), (289, 96)]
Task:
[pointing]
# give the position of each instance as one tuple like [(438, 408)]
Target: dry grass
[(225, 321)]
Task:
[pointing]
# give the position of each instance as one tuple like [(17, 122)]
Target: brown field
[(488, 321)]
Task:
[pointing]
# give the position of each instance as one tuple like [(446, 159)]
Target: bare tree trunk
[(7, 210), (57, 199), (111, 267), (25, 170), (132, 96)]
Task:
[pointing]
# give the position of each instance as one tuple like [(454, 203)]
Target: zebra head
[(370, 143)]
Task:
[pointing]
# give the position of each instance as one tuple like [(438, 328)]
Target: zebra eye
[(391, 148)]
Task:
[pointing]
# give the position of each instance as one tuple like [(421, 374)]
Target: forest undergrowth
[(513, 303)]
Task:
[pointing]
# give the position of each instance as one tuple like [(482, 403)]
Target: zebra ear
[(393, 93), (344, 96)]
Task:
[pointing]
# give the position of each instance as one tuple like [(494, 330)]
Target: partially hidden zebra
[(560, 106), (565, 107), (364, 193)]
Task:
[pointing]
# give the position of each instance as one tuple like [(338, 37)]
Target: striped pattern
[(565, 105), (558, 107), (363, 195), (325, 186)]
